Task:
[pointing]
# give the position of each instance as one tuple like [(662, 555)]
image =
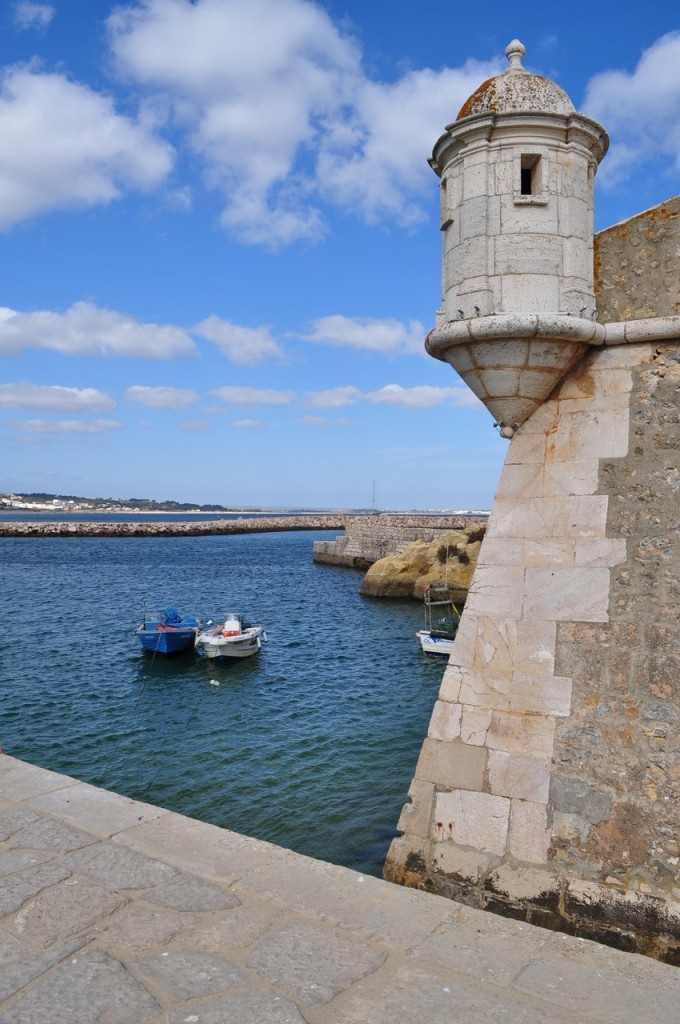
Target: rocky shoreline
[(260, 524)]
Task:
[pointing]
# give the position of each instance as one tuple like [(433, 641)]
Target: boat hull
[(435, 644), (165, 639), (216, 646)]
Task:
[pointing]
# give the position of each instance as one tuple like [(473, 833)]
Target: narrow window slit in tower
[(530, 181)]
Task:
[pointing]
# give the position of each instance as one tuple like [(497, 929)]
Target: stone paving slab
[(119, 912)]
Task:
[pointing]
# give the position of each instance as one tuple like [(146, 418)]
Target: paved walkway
[(118, 912)]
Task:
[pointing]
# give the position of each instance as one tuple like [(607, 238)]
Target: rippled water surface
[(311, 744)]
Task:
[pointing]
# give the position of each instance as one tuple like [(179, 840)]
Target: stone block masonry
[(549, 785), (636, 265), (367, 539)]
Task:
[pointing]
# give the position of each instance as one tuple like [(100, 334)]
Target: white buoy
[(214, 682)]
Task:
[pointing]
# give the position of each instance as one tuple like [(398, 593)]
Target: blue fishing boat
[(168, 633)]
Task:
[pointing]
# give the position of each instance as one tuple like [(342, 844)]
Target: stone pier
[(367, 539), (117, 911)]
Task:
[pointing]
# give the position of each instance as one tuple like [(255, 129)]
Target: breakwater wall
[(370, 538), (259, 524)]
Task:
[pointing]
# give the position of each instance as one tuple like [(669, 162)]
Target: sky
[(219, 236)]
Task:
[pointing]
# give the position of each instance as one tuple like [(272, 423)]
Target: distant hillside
[(143, 504)]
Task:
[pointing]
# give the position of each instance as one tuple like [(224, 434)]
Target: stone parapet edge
[(553, 326)]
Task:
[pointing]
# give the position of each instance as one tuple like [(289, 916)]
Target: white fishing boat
[(441, 622), (232, 638)]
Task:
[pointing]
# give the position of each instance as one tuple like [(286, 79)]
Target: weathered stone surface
[(83, 806), (186, 974), (241, 926), (451, 764), (472, 819), (22, 886), (311, 965), (448, 561), (445, 721), (529, 838), (14, 821), (52, 835), (91, 987), (15, 860), (118, 868), (63, 910), (469, 866), (314, 941), (415, 817), (636, 265), (19, 970), (421, 994), (573, 796), (188, 893), (617, 776), (243, 1005), (584, 993), (136, 927), (519, 776)]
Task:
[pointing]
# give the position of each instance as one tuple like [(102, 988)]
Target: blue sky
[(220, 246)]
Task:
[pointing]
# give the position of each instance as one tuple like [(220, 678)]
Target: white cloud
[(374, 160), (246, 424), (180, 198), (423, 396), (273, 99), (65, 146), (386, 336), (234, 395), (32, 15), (194, 426), (86, 330), (249, 80), (640, 110), (246, 346), (160, 397), (67, 426), (54, 398), (323, 421), (333, 398)]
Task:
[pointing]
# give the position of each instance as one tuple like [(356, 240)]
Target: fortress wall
[(637, 266), (547, 787)]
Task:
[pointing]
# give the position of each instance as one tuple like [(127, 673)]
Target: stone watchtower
[(548, 786), (517, 169)]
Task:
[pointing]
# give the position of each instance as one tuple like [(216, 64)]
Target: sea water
[(311, 744)]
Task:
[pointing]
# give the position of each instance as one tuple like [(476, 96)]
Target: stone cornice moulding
[(553, 326), (574, 129), (506, 326), (630, 332)]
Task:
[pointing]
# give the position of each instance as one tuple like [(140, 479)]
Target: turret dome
[(516, 90)]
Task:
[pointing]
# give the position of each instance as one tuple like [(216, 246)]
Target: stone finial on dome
[(514, 51)]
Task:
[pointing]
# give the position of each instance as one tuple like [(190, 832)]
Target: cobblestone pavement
[(117, 912)]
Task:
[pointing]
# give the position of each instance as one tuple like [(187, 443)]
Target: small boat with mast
[(441, 621)]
